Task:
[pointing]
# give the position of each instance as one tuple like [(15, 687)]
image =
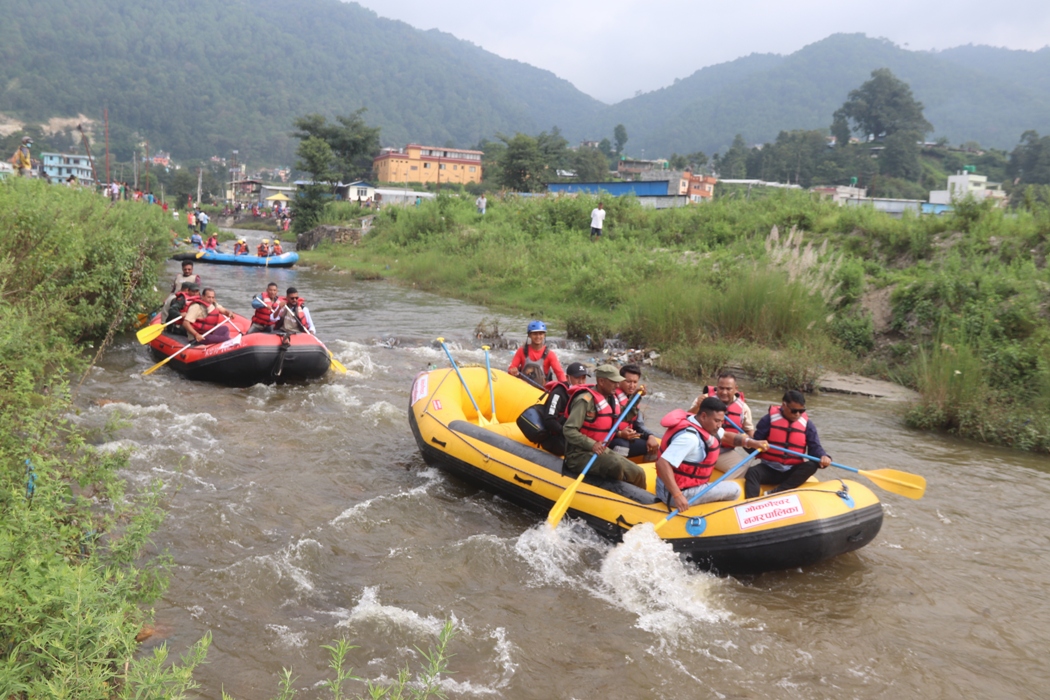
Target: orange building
[(701, 188), (415, 163)]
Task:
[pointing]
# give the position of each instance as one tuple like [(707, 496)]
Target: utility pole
[(87, 149), (135, 165), (147, 165), (200, 176), (105, 116)]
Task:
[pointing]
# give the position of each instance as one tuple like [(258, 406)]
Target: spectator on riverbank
[(597, 221)]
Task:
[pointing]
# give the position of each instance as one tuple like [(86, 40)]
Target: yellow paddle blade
[(902, 483), (199, 254), (336, 364), (149, 333), (160, 364), (562, 506)]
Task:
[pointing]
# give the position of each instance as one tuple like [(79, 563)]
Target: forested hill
[(200, 77), (980, 93), (205, 77)]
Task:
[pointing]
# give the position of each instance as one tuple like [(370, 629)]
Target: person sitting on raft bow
[(536, 352), (240, 247), (786, 425), (213, 243), (204, 314), (592, 413), (276, 248), (189, 293)]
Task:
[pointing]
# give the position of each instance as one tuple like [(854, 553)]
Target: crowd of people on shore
[(192, 310), (716, 432)]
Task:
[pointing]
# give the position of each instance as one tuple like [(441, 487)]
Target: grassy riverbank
[(954, 306), (74, 545)]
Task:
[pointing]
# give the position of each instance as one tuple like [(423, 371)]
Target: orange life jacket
[(206, 323), (262, 251), (734, 409), (262, 316), (690, 474), (605, 413), (784, 433)]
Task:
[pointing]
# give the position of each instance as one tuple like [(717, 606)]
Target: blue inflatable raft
[(283, 260)]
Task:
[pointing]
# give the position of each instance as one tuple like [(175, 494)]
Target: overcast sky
[(614, 48)]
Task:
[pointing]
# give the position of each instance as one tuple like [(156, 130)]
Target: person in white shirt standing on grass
[(597, 220)]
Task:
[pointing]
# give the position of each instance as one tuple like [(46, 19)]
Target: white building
[(59, 166), (968, 184), (840, 193)]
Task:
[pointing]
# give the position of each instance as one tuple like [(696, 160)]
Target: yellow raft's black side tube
[(821, 519)]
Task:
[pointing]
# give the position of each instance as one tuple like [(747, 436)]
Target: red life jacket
[(190, 300), (690, 474), (262, 316), (623, 399), (262, 251), (277, 250), (206, 323), (786, 434), (605, 414), (734, 410)]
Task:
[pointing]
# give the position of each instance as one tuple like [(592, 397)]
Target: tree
[(677, 162), (605, 146), (590, 165), (881, 107), (901, 156), (733, 165), (522, 166), (1030, 160), (352, 142), (620, 134), (554, 149), (316, 158)]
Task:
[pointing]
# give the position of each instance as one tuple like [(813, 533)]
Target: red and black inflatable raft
[(244, 360)]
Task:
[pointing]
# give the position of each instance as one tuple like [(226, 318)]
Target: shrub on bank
[(710, 284), (73, 269)]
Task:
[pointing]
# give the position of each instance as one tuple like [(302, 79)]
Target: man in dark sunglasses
[(786, 425)]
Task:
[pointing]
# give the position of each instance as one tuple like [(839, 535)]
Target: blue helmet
[(537, 326)]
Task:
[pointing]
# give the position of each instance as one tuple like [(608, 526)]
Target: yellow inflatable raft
[(820, 520)]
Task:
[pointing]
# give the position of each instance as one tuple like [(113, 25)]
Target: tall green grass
[(74, 570), (709, 285)]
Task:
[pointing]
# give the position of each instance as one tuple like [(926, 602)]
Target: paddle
[(152, 332), (482, 420), (701, 492), (562, 504), (336, 364), (170, 357), (488, 371), (530, 380), (903, 483), (200, 254)]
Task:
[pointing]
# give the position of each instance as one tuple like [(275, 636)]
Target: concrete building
[(636, 166), (416, 163), (967, 183), (59, 166), (391, 196), (840, 193)]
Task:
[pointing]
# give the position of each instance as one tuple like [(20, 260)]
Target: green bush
[(73, 270), (854, 333)]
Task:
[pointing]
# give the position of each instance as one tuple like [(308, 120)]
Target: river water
[(298, 515)]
